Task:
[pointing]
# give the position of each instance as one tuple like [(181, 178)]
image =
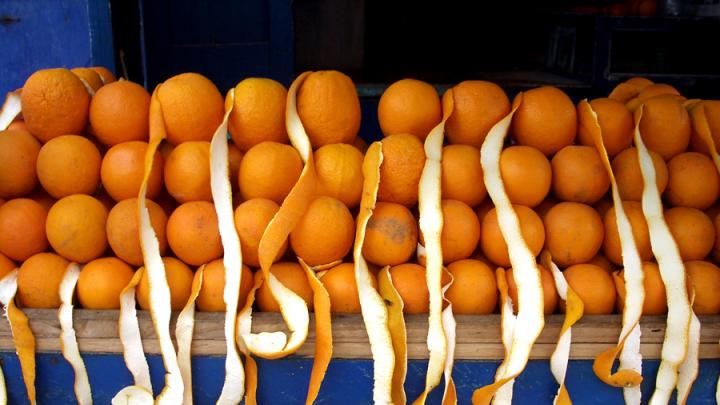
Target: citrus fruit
[(616, 123), (460, 231), (258, 113), (478, 106), (75, 228), (579, 175), (462, 174), (474, 289), (123, 232), (526, 175), (210, 298), (693, 231), (705, 280), (187, 172), (594, 286), (692, 181), (391, 236), (339, 282), (409, 281), (69, 164), (665, 126), (574, 233), (105, 74), (339, 173), (325, 233), (629, 178), (38, 280), (22, 228), (292, 276), (493, 243), (545, 120), (712, 114), (123, 167), (409, 106), (611, 244), (6, 266), (192, 233), (179, 279), (656, 89), (119, 113), (101, 281), (89, 77), (269, 170), (550, 295), (401, 168), (655, 300), (18, 158), (251, 219)]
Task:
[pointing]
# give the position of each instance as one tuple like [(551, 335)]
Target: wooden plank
[(478, 337)]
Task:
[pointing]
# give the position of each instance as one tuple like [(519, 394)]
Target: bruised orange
[(293, 277), (409, 106), (478, 105), (101, 281), (179, 279), (391, 236), (325, 232)]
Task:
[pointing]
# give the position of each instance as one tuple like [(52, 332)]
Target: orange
[(616, 123), (409, 106), (462, 174), (665, 126), (22, 228), (474, 289), (210, 298), (90, 78), (192, 107), (339, 173), (292, 276), (692, 181), (391, 236), (101, 281), (69, 164), (693, 231), (629, 178), (6, 266), (329, 108), (340, 284), (54, 102), (179, 278), (123, 167), (18, 126), (105, 74), (38, 280), (602, 261), (123, 233), (579, 175), (410, 283), (716, 247), (119, 113), (655, 300), (258, 113), (705, 280), (493, 243), (478, 106), (611, 244), (526, 175), (594, 286), (187, 172), (192, 233), (251, 219), (657, 89), (269, 170), (75, 228), (629, 89), (18, 157), (325, 233), (574, 233), (460, 231), (712, 113), (401, 168), (550, 295), (546, 120)]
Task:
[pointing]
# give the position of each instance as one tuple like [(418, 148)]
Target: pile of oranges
[(72, 165)]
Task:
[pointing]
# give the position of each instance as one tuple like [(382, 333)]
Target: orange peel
[(184, 327), (133, 395), (689, 369), (244, 326), (398, 333), (700, 123), (507, 328), (130, 338), (10, 109), (449, 326)]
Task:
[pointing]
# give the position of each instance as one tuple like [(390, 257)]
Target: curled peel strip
[(130, 338), (507, 328), (244, 325), (702, 128), (449, 325), (398, 333), (672, 272), (21, 332), (133, 395), (68, 340), (628, 375), (184, 327), (10, 109), (530, 318), (690, 367)]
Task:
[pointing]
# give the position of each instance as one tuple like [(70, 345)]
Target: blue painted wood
[(348, 381), (52, 33)]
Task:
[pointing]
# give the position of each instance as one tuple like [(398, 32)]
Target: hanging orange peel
[(10, 109), (130, 337), (507, 328), (133, 395), (672, 272), (628, 348), (690, 367), (431, 224), (530, 318), (184, 327), (449, 326), (398, 333), (244, 326), (574, 308)]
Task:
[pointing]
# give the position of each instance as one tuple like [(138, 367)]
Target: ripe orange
[(401, 168), (526, 175), (712, 113), (251, 219), (705, 280), (340, 284), (292, 276), (462, 174), (269, 170), (339, 173), (611, 244), (192, 107), (655, 301), (6, 266), (258, 113), (594, 286), (75, 228), (101, 281), (69, 164), (460, 232), (123, 232), (656, 89), (210, 298), (693, 181), (478, 105), (574, 233), (38, 280), (692, 230), (179, 278), (579, 175), (629, 89), (105, 74), (325, 233), (474, 289), (22, 228), (628, 176), (410, 283), (409, 106), (546, 120), (119, 113), (123, 167), (192, 233), (550, 295), (187, 172), (90, 78), (665, 126), (18, 156), (616, 123), (329, 108), (493, 243), (18, 126), (391, 236), (54, 103)]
